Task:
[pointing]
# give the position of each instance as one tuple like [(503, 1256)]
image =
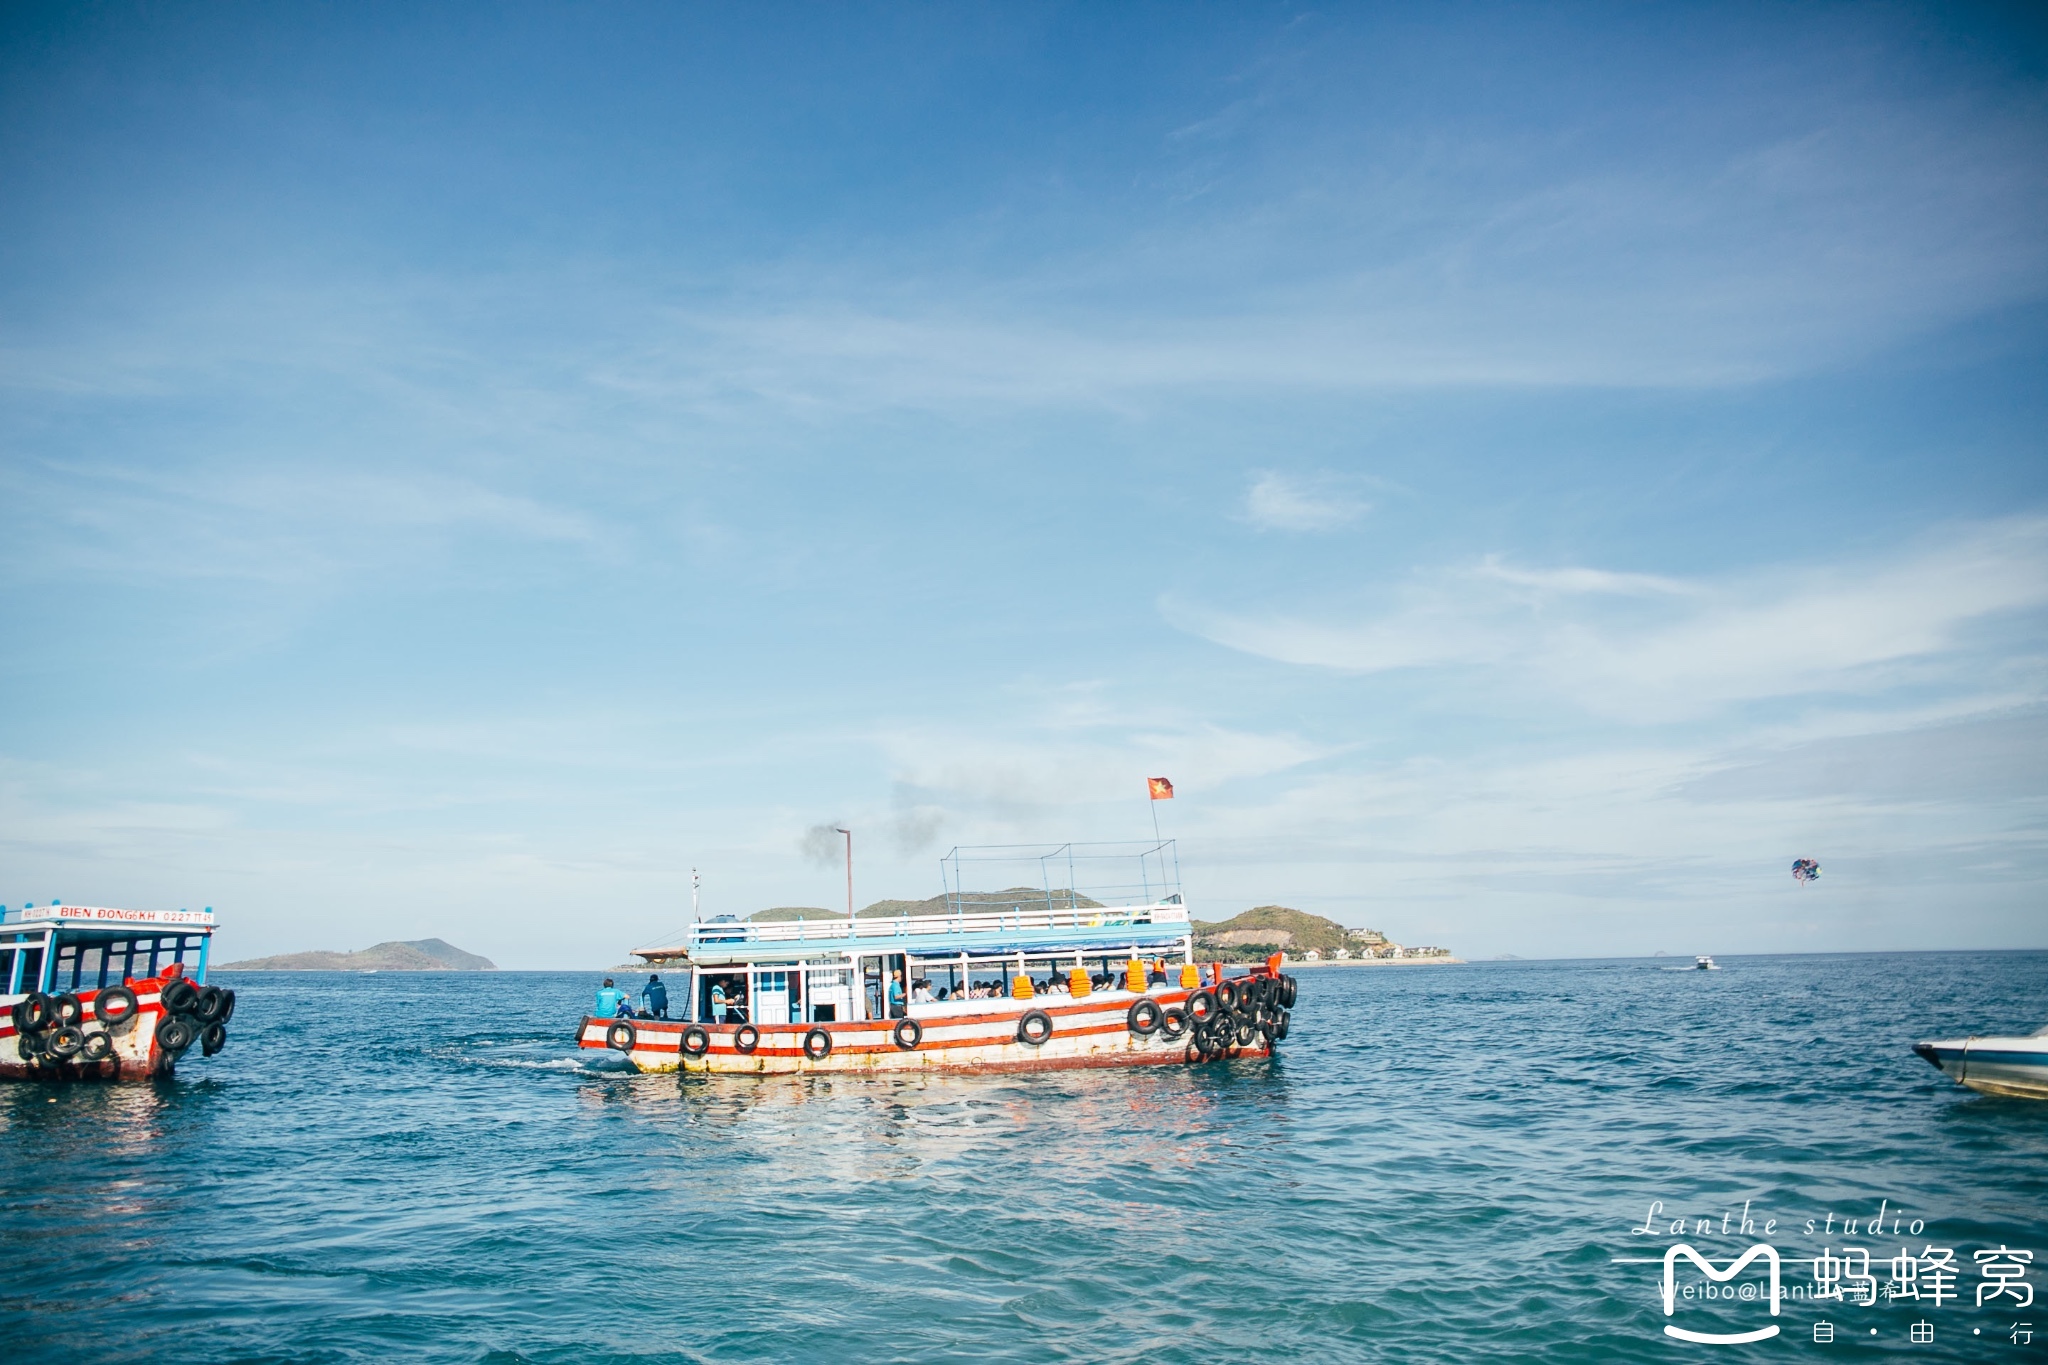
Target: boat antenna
[(696, 886)]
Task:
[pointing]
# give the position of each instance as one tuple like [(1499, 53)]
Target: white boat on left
[(1994, 1066), (91, 992)]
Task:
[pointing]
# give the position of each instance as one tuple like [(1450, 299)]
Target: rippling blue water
[(1443, 1164)]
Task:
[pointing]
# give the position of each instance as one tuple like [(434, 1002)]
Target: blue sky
[(1526, 474)]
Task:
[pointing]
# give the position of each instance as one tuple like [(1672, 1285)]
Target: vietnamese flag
[(1160, 788)]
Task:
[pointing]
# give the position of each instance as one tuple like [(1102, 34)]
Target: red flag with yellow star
[(1160, 788)]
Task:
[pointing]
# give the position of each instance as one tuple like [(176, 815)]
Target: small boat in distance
[(2016, 1067), (1705, 964)]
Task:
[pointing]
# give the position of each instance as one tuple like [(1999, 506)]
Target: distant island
[(416, 955), (1263, 930)]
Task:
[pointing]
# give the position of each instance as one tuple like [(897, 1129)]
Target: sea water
[(1443, 1163)]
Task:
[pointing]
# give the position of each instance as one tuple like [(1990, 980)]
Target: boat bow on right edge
[(1994, 1066)]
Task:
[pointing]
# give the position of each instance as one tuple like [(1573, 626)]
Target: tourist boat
[(1995, 1066), (98, 993), (1016, 980), (1705, 964)]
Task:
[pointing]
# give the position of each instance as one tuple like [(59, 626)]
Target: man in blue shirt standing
[(609, 999), (654, 998)]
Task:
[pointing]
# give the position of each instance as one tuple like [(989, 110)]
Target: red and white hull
[(136, 1051), (978, 1035)]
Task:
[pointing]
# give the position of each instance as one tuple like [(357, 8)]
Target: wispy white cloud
[(1688, 649), (1291, 502)]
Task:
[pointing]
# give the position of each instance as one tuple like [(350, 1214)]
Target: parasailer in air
[(1806, 870)]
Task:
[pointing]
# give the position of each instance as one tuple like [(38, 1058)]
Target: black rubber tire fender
[(227, 1010), (207, 1008), (1246, 1031), (1280, 1025), (908, 1033), (745, 1039), (98, 1046), (66, 1008), (1201, 1007), (1034, 1028), (1229, 995), (213, 1038), (696, 1041), (1173, 1022), (32, 1012), (818, 1043), (1143, 1017), (30, 1044), (174, 1033), (65, 1042), (1286, 1001), (621, 1035), (117, 1008), (177, 995)]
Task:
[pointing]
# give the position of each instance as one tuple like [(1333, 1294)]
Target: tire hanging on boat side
[(908, 1033), (174, 1033), (818, 1044), (213, 1038), (1201, 1007), (99, 1045), (696, 1041), (621, 1035), (745, 1039), (1228, 996), (1034, 1027), (1173, 1022), (117, 1008), (65, 1042), (1143, 1018), (177, 995)]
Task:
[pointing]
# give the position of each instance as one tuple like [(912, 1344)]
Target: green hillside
[(1264, 930)]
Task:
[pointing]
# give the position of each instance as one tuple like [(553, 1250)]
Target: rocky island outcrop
[(414, 955)]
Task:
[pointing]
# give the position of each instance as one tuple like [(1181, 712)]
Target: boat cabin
[(59, 947)]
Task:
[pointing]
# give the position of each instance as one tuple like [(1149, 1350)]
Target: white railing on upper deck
[(1019, 919)]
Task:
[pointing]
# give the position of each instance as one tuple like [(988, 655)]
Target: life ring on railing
[(1143, 1018), (908, 1033), (65, 1042), (745, 1039), (696, 1041), (98, 1046), (1173, 1022), (117, 1008), (818, 1044), (1034, 1027), (621, 1035), (1202, 1006), (177, 995)]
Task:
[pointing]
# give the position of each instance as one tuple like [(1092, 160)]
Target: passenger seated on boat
[(610, 1000), (921, 993), (1157, 977), (655, 997)]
